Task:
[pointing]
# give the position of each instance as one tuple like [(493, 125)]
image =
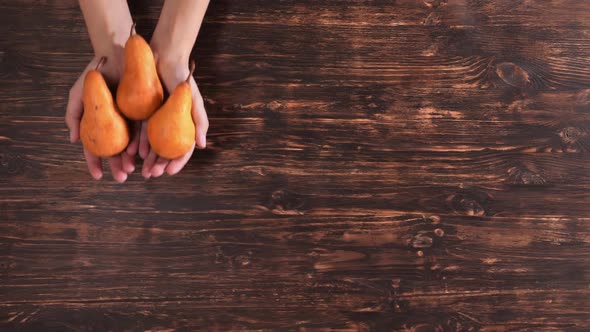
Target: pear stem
[(101, 62), (132, 28), (192, 70)]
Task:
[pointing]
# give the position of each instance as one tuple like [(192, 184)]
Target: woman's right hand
[(124, 163)]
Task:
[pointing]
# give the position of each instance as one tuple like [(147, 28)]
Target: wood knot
[(435, 3), (434, 219), (242, 260), (423, 328), (490, 261), (471, 207), (574, 139), (471, 202), (274, 106), (570, 135), (11, 163), (525, 176), (285, 202), (513, 75), (209, 101), (256, 170), (518, 106), (6, 265), (432, 19), (421, 240), (439, 232)]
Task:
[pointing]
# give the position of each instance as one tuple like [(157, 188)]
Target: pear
[(103, 130), (140, 91), (171, 130)]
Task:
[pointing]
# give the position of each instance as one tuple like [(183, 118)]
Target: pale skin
[(109, 23)]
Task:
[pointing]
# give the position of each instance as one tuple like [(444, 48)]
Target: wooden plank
[(371, 165)]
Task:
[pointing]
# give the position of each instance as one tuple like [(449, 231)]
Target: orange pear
[(140, 91), (103, 130), (171, 130)]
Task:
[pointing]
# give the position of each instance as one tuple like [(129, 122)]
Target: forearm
[(108, 23), (177, 29)]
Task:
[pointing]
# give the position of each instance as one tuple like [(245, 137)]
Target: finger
[(148, 163), (134, 145), (74, 110), (177, 165), (159, 167), (94, 165), (128, 163), (144, 145), (199, 116), (117, 169)]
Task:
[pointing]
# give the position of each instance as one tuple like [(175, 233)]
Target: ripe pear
[(140, 91), (171, 130), (103, 130)]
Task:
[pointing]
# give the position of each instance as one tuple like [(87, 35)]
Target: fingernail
[(202, 141), (123, 178)]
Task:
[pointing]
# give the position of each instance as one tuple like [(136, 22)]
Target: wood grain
[(371, 165)]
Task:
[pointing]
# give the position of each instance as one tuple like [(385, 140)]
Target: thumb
[(74, 111), (75, 108), (199, 116)]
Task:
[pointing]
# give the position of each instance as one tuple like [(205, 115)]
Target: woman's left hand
[(171, 74)]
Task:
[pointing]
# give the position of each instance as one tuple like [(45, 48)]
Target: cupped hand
[(154, 166), (124, 163)]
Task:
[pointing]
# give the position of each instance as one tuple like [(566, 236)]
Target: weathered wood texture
[(372, 165)]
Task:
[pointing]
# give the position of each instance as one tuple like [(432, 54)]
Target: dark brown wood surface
[(374, 165)]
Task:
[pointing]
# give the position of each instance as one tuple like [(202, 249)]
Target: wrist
[(166, 53), (172, 71), (108, 25), (113, 40)]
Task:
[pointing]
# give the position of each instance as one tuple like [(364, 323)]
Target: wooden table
[(372, 165)]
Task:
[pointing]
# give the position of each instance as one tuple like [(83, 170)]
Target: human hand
[(172, 43), (154, 166), (124, 163)]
